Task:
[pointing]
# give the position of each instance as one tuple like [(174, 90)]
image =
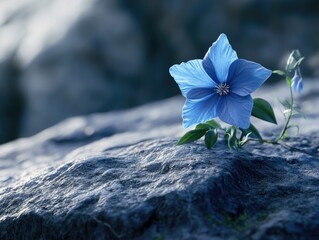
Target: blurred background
[(64, 58)]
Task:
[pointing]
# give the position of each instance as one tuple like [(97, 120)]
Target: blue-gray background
[(65, 58)]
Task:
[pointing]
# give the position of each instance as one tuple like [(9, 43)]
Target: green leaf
[(252, 130), (213, 123), (211, 138), (263, 110), (191, 136), (203, 126), (279, 72), (231, 138)]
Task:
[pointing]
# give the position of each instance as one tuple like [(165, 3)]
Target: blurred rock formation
[(64, 58)]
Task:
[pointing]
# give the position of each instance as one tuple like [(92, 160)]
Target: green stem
[(263, 141), (284, 130)]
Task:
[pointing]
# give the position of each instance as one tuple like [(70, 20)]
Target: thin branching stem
[(285, 128)]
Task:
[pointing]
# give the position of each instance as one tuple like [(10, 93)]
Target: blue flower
[(219, 86), (297, 83)]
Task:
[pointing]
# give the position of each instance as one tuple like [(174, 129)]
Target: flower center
[(222, 89)]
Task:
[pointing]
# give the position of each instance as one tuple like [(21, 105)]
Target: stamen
[(222, 89)]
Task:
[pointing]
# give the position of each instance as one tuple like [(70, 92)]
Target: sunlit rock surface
[(119, 175), (63, 58)]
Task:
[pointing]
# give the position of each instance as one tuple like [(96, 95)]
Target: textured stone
[(79, 57), (153, 188), (120, 176)]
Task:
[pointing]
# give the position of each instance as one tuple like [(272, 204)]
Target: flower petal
[(245, 76), (297, 86), (219, 58), (297, 83), (191, 75), (197, 93), (210, 69), (200, 110), (235, 110)]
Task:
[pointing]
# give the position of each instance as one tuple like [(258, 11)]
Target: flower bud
[(297, 82)]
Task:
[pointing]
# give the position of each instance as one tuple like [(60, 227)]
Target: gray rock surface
[(67, 58), (119, 175)]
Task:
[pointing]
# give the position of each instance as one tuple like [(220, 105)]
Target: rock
[(154, 189), (10, 103), (70, 60), (120, 175), (81, 70), (96, 56)]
